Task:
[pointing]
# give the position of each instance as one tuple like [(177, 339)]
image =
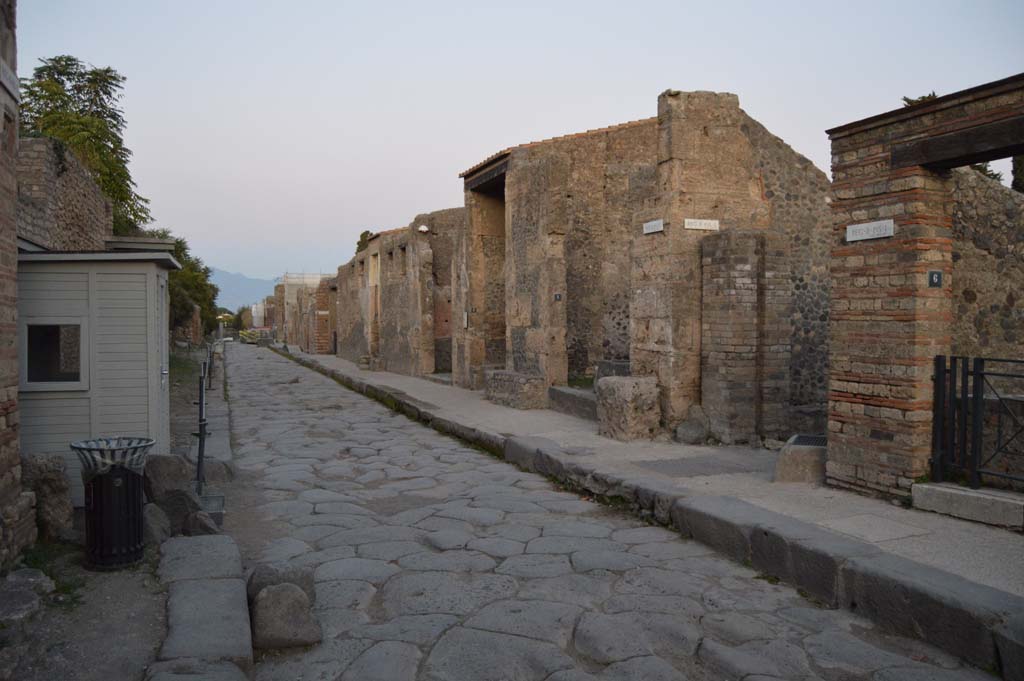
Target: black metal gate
[(978, 421)]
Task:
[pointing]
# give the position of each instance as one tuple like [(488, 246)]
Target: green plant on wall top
[(78, 104)]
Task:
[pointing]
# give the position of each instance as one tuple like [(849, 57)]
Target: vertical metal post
[(938, 401), (951, 414), (977, 418), (965, 401), (201, 451)]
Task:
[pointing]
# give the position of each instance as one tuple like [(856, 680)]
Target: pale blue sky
[(271, 133)]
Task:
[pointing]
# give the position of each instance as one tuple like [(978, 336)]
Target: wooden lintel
[(981, 143), (487, 174)]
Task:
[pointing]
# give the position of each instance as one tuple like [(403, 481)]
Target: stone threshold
[(978, 623), (997, 507)]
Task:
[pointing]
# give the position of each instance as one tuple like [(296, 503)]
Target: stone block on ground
[(282, 618), (801, 463), (178, 505), (628, 407), (516, 390), (17, 604), (156, 526), (269, 574), (1002, 508), (209, 557), (44, 474), (208, 620), (200, 523), (165, 473), (694, 430), (30, 578), (190, 669)]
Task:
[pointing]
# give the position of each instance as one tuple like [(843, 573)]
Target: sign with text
[(654, 226), (879, 229), (706, 225)]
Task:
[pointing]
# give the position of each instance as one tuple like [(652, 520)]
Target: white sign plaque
[(879, 229), (706, 225), (654, 226)]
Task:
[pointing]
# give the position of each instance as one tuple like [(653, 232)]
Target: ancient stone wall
[(570, 205), (323, 331), (278, 310), (797, 193), (17, 505), (720, 170), (988, 267), (293, 319), (60, 207), (400, 321)]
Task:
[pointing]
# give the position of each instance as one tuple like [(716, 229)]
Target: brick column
[(745, 340), (887, 324)]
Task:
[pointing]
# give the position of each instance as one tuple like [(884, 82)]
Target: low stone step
[(990, 506), (208, 620), (443, 379), (573, 401)]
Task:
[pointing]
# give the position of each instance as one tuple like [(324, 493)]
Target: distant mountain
[(237, 290)]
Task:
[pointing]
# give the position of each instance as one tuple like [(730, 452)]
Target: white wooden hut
[(92, 350)]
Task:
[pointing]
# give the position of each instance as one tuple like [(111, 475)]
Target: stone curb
[(982, 625)]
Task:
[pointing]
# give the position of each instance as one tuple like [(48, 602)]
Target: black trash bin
[(112, 470)]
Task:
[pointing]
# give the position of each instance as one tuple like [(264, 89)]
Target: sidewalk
[(980, 554)]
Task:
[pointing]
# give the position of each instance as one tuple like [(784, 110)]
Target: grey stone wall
[(17, 505), (988, 267), (796, 191), (60, 207)]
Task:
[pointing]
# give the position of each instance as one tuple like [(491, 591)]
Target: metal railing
[(205, 383), (978, 421)]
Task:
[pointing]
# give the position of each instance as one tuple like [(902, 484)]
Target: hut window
[(53, 354)]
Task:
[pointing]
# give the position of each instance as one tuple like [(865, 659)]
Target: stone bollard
[(628, 407)]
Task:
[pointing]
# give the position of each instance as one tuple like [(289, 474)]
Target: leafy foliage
[(1018, 174), (983, 168), (79, 104), (189, 285), (364, 240)]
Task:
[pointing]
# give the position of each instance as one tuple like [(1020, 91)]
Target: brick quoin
[(887, 324)]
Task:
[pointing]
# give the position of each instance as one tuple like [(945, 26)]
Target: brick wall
[(278, 308), (887, 322), (60, 207), (17, 506), (745, 358)]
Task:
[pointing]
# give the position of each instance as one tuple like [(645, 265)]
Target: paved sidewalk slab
[(208, 619), (207, 557)]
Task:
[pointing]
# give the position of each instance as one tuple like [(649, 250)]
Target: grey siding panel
[(120, 352), (49, 425)]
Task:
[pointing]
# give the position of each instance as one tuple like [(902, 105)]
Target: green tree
[(189, 286), (983, 168), (1018, 174), (79, 105), (364, 240)]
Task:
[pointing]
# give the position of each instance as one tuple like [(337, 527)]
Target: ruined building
[(292, 285), (394, 297), (317, 310), (692, 247), (17, 505)]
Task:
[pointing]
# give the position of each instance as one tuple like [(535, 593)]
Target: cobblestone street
[(437, 561)]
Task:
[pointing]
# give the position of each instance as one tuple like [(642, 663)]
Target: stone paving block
[(208, 619), (205, 557), (948, 611), (542, 620), (463, 654)]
